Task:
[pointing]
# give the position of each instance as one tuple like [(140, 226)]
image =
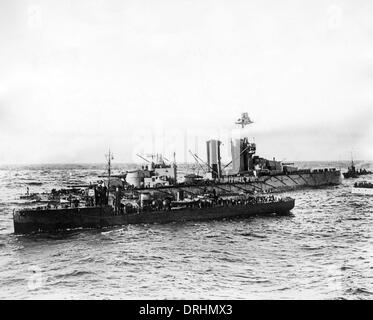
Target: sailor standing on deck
[(98, 196), (118, 198), (104, 196)]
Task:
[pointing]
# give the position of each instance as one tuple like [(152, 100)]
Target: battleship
[(245, 173), (154, 193)]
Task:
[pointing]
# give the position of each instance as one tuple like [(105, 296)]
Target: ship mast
[(109, 157), (352, 160)]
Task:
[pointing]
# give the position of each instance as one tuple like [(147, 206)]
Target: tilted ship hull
[(30, 221), (271, 183), (300, 179)]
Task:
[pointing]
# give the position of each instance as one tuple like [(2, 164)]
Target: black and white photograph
[(186, 150)]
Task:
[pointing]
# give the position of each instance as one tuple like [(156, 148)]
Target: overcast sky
[(142, 76)]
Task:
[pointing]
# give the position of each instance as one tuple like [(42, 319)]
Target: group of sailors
[(166, 204), (363, 184), (247, 201)]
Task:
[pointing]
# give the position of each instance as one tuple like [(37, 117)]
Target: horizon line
[(140, 163)]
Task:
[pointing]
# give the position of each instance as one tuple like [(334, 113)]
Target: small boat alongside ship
[(147, 211), (363, 188)]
